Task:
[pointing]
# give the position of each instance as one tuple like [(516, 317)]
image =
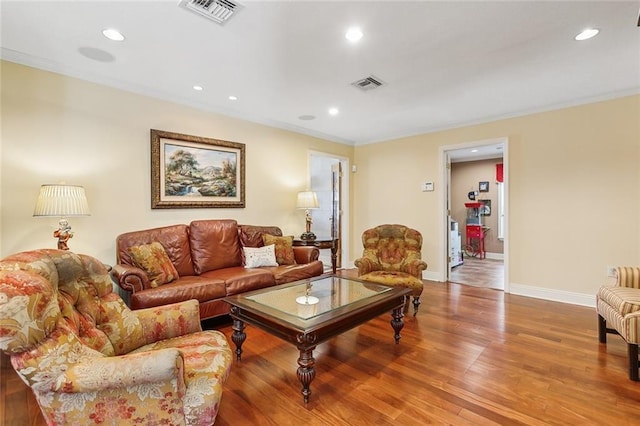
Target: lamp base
[(63, 234), (308, 236)]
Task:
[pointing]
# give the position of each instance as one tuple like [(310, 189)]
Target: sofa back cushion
[(214, 245), (251, 235), (174, 239)]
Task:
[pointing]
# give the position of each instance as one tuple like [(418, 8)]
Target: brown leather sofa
[(208, 257)]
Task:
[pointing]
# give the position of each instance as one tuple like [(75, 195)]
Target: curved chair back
[(392, 245)]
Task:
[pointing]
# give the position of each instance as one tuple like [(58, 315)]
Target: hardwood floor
[(472, 356), (488, 273)]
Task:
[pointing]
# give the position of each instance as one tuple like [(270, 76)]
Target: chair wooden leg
[(602, 329), (416, 304), (634, 365)]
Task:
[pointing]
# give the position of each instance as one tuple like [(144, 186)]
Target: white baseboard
[(573, 298), (431, 276), (554, 295)]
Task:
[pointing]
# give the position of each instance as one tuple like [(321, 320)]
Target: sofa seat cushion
[(240, 279), (623, 300), (184, 288), (288, 273)]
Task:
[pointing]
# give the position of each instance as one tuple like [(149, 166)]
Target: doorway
[(469, 174), (327, 178)]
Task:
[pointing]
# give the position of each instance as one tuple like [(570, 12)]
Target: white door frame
[(444, 217), (344, 191)]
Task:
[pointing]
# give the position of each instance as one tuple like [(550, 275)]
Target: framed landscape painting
[(193, 172)]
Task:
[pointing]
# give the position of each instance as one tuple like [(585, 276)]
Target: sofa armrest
[(366, 265), (167, 321), (628, 276), (130, 278), (306, 254), (98, 374)]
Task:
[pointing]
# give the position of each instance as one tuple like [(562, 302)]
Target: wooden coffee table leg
[(238, 336), (306, 372), (397, 323)]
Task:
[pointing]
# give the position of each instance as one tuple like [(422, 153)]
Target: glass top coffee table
[(309, 312)]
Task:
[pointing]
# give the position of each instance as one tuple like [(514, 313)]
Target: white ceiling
[(445, 64)]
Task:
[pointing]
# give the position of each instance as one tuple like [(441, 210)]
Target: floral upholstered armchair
[(91, 360), (392, 256)]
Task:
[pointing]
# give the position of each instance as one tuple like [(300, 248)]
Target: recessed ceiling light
[(587, 34), (333, 111), (113, 34), (474, 150), (233, 98), (198, 88), (353, 34)]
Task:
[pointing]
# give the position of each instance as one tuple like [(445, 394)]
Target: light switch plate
[(427, 187)]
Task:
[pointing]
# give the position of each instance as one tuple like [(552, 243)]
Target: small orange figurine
[(63, 234)]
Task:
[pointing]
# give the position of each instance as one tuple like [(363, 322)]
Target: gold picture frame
[(196, 172)]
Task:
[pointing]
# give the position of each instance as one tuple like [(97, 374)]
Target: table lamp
[(307, 200), (63, 201)]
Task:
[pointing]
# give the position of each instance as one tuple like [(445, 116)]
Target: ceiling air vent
[(219, 11), (367, 83)]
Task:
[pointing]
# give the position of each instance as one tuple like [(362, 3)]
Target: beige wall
[(56, 128), (574, 185), (573, 193), (465, 177)]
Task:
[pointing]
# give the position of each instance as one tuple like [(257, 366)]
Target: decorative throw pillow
[(153, 259), (255, 257), (284, 248)]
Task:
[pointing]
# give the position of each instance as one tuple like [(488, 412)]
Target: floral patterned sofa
[(89, 359)]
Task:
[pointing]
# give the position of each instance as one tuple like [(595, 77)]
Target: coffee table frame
[(307, 334)]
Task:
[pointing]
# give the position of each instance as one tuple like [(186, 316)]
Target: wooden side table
[(322, 243)]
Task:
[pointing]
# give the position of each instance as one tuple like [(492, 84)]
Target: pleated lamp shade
[(307, 200), (61, 200)]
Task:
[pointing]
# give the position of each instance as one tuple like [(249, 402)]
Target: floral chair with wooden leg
[(89, 359), (392, 256)]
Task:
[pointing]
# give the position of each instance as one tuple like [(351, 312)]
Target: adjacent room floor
[(487, 273)]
